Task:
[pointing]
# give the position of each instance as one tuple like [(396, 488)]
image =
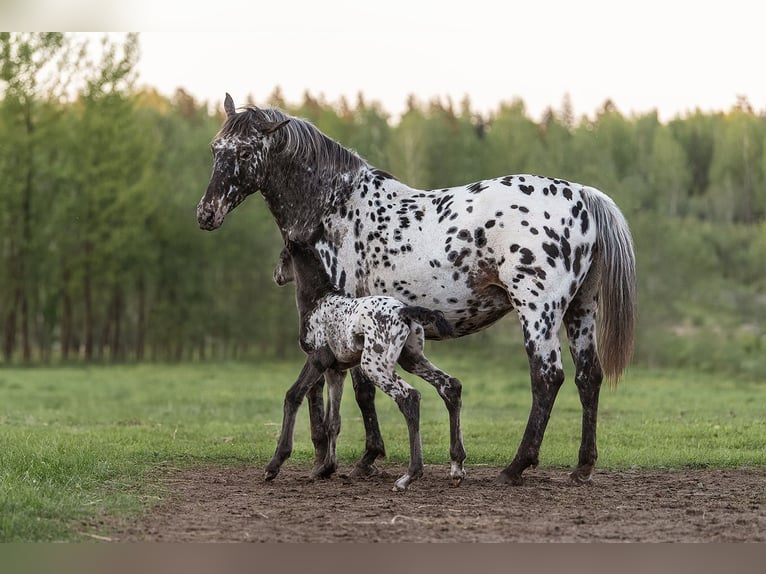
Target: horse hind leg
[(380, 367), (547, 376), (580, 322), (449, 388)]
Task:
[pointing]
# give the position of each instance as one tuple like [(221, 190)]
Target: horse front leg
[(547, 375), (317, 415), (364, 391), (309, 376), (328, 465)]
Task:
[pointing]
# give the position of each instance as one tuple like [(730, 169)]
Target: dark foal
[(338, 332)]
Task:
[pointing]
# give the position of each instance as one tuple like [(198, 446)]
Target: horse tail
[(616, 265), (426, 316)]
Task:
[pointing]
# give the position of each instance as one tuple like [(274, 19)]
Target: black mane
[(299, 139)]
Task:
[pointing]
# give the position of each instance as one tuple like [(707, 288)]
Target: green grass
[(78, 443)]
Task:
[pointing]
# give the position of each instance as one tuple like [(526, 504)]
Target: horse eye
[(245, 154)]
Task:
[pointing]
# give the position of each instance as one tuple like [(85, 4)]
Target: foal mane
[(298, 139)]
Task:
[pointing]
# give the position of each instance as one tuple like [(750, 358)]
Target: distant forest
[(101, 258)]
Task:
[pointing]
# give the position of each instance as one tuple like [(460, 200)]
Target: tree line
[(101, 258)]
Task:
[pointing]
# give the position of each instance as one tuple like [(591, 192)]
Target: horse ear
[(228, 106), (271, 127)]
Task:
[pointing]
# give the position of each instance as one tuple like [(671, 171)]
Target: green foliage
[(78, 443), (101, 258)]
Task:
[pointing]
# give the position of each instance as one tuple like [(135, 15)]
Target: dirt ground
[(237, 505)]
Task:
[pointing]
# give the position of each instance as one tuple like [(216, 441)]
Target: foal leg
[(364, 391), (547, 375), (326, 467), (449, 388), (309, 376), (580, 321), (407, 398)]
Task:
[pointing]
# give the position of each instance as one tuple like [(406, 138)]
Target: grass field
[(80, 442)]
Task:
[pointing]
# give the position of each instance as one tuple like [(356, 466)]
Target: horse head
[(240, 150)]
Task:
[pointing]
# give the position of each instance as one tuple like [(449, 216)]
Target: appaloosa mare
[(551, 250)]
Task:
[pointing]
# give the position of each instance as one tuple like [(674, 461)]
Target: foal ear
[(270, 127), (228, 106)]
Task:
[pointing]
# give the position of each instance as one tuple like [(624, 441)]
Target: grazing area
[(134, 452)]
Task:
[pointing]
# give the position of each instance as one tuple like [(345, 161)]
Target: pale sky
[(667, 55)]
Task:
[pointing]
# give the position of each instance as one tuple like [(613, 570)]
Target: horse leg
[(364, 391), (409, 405), (309, 376), (326, 467), (380, 368), (547, 375), (319, 436), (580, 321), (449, 388)]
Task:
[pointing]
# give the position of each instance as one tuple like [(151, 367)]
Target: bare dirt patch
[(237, 505)]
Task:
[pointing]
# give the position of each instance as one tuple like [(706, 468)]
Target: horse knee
[(451, 392), (455, 387), (409, 403), (294, 397)]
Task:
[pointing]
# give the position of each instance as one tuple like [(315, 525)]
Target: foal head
[(283, 273), (239, 152)]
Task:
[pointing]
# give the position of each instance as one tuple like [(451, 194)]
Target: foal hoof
[(581, 476), (271, 473), (402, 484), (457, 474), (364, 471)]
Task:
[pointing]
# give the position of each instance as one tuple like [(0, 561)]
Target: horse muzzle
[(210, 217)]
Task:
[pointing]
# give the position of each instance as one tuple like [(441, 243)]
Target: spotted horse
[(553, 251), (375, 333)]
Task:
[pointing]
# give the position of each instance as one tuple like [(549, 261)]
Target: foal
[(339, 332)]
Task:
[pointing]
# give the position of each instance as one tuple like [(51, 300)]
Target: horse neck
[(299, 196)]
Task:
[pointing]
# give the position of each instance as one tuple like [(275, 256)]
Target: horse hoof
[(457, 480), (511, 479), (581, 476), (270, 475), (401, 484), (457, 474), (364, 471), (323, 471)]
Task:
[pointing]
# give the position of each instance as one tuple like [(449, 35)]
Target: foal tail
[(616, 264), (426, 316)]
